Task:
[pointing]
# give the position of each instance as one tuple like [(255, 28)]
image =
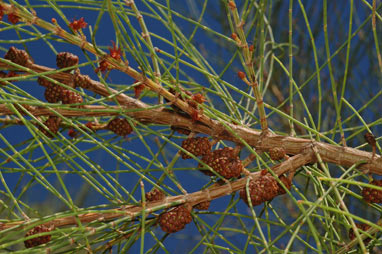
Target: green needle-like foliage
[(283, 92)]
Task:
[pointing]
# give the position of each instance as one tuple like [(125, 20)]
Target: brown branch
[(214, 192)]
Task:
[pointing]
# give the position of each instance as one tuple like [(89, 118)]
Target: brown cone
[(203, 205), (120, 127), (223, 161), (53, 124), (264, 188), (53, 93), (17, 56), (175, 219), (70, 97), (196, 146), (363, 227), (83, 81), (371, 195), (277, 153), (66, 59), (37, 240), (155, 195), (43, 82)]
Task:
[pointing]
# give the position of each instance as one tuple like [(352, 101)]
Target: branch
[(214, 192)]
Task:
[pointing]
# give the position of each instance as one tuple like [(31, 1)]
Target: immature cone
[(53, 124), (120, 127), (175, 219), (277, 153), (53, 93), (264, 188), (371, 195), (37, 240), (363, 227), (17, 56), (70, 97), (155, 195), (43, 82), (197, 146), (83, 81), (66, 59), (223, 161), (203, 205)]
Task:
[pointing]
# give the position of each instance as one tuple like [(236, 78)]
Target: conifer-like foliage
[(195, 126)]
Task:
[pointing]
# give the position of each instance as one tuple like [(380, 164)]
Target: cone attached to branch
[(264, 188), (371, 195), (70, 97), (53, 93), (197, 146), (223, 161), (203, 205), (155, 195), (37, 240), (277, 153), (175, 219), (53, 124), (18, 56), (120, 127), (83, 81), (66, 59)]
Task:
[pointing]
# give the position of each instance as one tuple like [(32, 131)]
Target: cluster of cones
[(55, 93)]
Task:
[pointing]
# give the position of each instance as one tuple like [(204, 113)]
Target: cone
[(175, 219), (371, 195), (120, 127), (264, 188), (66, 59), (196, 146), (203, 205), (83, 81), (277, 153), (53, 124), (223, 161), (43, 82), (18, 56), (70, 97), (53, 93), (155, 195), (37, 240)]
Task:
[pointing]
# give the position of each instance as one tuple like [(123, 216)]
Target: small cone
[(203, 205), (18, 56), (53, 124), (371, 195), (83, 81), (175, 219), (277, 153), (43, 82), (120, 127), (196, 146), (66, 59), (53, 93), (223, 161), (264, 188), (155, 195), (38, 240), (70, 97)]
